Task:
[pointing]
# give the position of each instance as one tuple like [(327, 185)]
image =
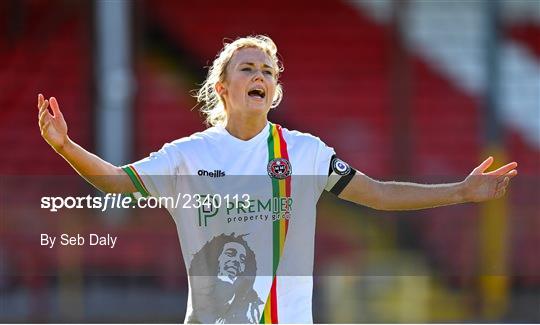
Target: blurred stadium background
[(407, 90)]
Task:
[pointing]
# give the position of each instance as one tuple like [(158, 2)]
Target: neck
[(245, 129)]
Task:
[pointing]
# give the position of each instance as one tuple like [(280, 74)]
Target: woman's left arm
[(477, 187)]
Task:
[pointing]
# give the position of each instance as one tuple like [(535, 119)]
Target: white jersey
[(249, 257)]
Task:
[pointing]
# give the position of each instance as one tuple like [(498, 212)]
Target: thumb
[(483, 166), (54, 106)]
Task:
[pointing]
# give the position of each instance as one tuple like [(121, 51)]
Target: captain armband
[(339, 175)]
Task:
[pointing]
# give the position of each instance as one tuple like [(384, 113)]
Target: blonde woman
[(289, 170)]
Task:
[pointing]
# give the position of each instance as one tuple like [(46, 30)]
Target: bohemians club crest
[(279, 168)]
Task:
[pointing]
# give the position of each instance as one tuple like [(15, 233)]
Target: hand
[(53, 127), (480, 186)]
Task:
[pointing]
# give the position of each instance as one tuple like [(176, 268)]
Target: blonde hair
[(213, 106)]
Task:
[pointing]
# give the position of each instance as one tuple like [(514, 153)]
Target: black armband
[(339, 175)]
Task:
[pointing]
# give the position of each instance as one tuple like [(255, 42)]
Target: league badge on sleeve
[(340, 167), (279, 168)]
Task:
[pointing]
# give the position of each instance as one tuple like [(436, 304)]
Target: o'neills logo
[(279, 168), (215, 173)]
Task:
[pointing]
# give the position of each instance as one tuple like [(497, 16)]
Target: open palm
[(53, 127), (480, 186)]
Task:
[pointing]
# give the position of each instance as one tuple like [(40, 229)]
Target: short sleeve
[(322, 163), (155, 175)]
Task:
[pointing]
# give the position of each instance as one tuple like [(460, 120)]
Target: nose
[(258, 76)]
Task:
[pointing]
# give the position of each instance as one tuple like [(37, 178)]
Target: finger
[(499, 182), (504, 169), (483, 166), (55, 108), (45, 127), (40, 100), (499, 193), (512, 173), (43, 108), (504, 183), (44, 117)]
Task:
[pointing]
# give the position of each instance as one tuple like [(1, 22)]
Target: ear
[(220, 88)]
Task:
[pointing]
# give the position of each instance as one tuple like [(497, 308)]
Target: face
[(232, 260), (250, 83)]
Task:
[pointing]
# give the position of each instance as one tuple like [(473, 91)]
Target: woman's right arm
[(101, 174)]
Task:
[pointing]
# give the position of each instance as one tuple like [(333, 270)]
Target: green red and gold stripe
[(136, 179), (281, 188)]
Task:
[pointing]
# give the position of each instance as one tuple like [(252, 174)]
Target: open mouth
[(257, 93), (232, 270)]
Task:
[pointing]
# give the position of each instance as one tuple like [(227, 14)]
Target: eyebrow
[(253, 64)]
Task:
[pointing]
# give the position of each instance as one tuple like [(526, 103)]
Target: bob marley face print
[(232, 261), (222, 275)]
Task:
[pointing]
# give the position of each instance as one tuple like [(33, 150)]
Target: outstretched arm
[(92, 168), (478, 186)]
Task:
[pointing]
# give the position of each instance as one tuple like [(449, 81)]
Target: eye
[(246, 69), (268, 72)]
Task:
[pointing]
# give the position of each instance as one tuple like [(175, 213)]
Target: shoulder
[(295, 137), (308, 153), (194, 141)]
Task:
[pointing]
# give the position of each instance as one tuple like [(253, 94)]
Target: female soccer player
[(269, 238)]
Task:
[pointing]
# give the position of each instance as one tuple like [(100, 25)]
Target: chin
[(259, 108)]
